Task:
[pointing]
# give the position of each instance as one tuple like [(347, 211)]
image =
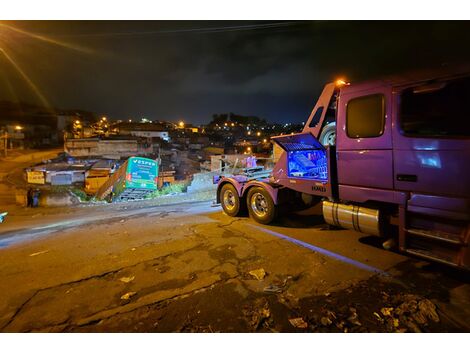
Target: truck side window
[(365, 116), (438, 109)]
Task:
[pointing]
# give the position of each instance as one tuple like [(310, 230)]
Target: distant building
[(111, 148), (147, 130)]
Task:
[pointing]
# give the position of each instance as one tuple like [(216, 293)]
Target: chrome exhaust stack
[(352, 217)]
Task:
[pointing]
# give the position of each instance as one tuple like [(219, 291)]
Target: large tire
[(230, 200), (261, 206), (328, 134)]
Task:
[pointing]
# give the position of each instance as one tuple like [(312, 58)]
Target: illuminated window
[(365, 116)]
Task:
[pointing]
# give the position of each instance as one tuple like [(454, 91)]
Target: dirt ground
[(190, 268)]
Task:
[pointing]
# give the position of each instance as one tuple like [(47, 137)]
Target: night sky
[(190, 70)]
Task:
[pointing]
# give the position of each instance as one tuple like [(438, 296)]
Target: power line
[(202, 30)]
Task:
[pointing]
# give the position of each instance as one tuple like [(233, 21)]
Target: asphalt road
[(186, 267)]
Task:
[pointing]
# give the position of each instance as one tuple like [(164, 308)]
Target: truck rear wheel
[(261, 206), (230, 200)]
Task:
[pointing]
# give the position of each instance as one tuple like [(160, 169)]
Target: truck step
[(431, 256), (437, 235)]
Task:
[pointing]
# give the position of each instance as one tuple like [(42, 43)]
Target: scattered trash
[(259, 314), (379, 318), (128, 295), (2, 216), (298, 323), (127, 279), (38, 253), (258, 274), (428, 309), (325, 321), (354, 318), (272, 289), (386, 312)]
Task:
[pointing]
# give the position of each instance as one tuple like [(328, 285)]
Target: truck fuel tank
[(353, 217)]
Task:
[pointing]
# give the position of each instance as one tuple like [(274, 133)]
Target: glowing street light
[(77, 122), (258, 134), (181, 124), (18, 128)]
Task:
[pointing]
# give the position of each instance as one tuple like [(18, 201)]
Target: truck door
[(364, 139), (432, 138)]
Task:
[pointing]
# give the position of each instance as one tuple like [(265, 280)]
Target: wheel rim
[(230, 201), (329, 138), (259, 204)]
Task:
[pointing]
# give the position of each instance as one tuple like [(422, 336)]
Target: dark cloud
[(172, 70)]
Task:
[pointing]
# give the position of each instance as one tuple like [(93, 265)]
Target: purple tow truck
[(389, 158)]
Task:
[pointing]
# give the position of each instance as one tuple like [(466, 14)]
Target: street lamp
[(181, 124), (18, 128)]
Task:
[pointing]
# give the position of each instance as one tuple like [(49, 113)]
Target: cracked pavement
[(185, 267)]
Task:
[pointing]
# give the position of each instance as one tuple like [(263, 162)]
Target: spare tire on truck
[(230, 200), (261, 206), (328, 134)]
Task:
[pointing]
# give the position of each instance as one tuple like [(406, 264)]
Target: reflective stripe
[(323, 251)]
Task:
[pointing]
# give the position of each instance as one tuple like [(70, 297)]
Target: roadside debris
[(298, 323), (386, 312), (2, 216), (272, 289), (258, 314), (258, 274), (38, 253), (127, 279), (354, 318), (128, 295)]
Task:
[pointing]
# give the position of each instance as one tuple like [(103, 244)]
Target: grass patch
[(173, 188), (80, 194)]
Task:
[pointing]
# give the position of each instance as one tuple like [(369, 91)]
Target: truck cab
[(387, 157)]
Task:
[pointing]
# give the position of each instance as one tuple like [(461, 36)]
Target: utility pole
[(5, 143)]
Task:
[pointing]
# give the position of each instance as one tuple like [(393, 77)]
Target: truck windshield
[(443, 110)]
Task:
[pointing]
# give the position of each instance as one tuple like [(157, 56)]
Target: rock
[(128, 295), (298, 323), (127, 279), (258, 274), (428, 309)]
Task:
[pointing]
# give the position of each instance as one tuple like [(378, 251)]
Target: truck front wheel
[(261, 206), (230, 200)]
